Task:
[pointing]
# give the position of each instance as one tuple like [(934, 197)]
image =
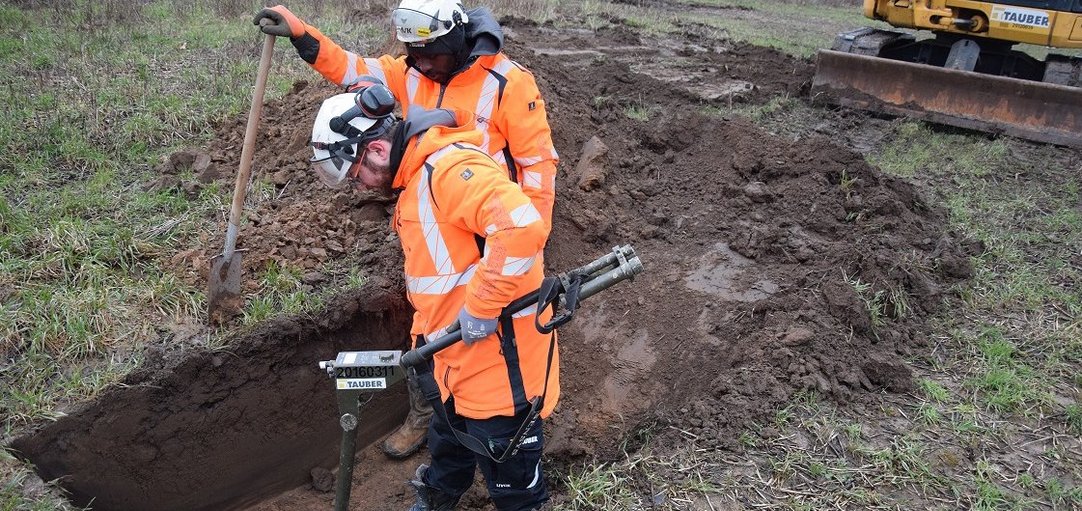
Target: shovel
[(224, 300)]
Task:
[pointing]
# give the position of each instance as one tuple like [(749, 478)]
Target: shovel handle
[(245, 172)]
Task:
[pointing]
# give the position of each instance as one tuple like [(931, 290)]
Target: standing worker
[(453, 60), (470, 239)]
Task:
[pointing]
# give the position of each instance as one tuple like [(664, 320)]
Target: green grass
[(21, 490), (91, 111), (785, 26), (795, 32), (281, 291), (639, 112), (598, 487), (756, 112), (933, 390), (96, 95), (1022, 279), (1017, 332)]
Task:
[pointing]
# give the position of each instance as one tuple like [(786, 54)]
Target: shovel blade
[(224, 301)]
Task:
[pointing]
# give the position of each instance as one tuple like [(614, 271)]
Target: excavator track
[(854, 75)]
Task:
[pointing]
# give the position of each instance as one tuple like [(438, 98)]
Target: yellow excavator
[(967, 72)]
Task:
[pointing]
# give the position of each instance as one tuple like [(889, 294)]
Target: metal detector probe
[(363, 372), (597, 276)]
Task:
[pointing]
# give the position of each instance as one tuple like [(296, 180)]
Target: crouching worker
[(470, 237)]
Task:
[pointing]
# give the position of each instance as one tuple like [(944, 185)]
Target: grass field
[(98, 93)]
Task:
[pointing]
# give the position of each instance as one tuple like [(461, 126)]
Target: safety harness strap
[(426, 381), (549, 295), (509, 348)]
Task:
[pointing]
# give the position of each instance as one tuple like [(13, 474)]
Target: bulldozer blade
[(1027, 109), (224, 301)]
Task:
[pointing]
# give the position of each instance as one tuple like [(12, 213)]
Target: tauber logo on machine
[(361, 383), (1021, 17)]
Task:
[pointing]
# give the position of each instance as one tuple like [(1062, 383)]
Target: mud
[(755, 247), (221, 429)]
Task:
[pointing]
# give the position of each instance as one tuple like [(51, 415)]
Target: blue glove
[(475, 329)]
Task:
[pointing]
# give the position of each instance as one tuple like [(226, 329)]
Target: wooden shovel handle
[(245, 172)]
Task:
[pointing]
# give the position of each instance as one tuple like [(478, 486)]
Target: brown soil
[(752, 245)]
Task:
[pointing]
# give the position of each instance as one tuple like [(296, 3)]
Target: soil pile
[(774, 266)]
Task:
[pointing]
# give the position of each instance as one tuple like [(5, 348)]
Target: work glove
[(285, 23), (475, 329)]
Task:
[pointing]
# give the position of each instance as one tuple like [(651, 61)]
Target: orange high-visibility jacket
[(502, 95), (451, 193)]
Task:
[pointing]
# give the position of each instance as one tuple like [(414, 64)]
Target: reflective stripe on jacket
[(502, 95), (452, 192)]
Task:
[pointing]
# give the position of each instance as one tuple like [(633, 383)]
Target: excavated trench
[(755, 246), (222, 430)]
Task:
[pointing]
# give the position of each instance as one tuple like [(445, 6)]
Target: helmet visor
[(331, 169), (415, 26)]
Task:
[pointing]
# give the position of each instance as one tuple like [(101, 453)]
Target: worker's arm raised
[(336, 64)]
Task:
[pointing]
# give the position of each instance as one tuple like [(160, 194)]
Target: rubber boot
[(429, 498), (411, 435)]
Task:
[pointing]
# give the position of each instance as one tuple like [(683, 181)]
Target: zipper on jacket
[(439, 100)]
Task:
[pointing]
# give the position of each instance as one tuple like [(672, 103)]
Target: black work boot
[(411, 435), (429, 498)]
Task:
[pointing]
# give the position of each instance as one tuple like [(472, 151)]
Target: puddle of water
[(599, 50), (705, 82), (724, 89), (720, 274)]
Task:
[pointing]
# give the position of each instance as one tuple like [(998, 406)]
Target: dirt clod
[(591, 167), (322, 479)]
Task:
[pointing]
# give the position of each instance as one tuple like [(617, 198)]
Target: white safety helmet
[(421, 21), (344, 122)]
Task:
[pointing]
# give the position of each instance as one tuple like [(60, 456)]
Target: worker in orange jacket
[(470, 238), (453, 60)]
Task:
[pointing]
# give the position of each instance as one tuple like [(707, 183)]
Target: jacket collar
[(424, 133)]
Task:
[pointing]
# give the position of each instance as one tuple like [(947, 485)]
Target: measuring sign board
[(365, 370)]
